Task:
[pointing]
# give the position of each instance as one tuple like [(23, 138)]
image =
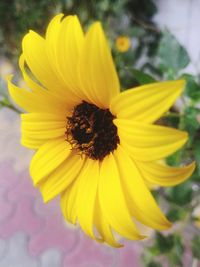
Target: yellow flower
[(96, 147), (123, 44)]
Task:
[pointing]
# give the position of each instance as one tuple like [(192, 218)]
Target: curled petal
[(161, 174)]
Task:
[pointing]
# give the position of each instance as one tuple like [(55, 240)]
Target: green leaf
[(189, 122), (164, 243), (175, 158), (192, 88), (155, 70), (176, 214), (172, 54), (142, 77), (136, 31), (178, 244), (197, 151), (196, 247), (196, 174), (176, 254), (181, 194), (196, 147), (154, 264)]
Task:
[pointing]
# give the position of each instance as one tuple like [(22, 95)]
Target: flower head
[(123, 44), (96, 147)]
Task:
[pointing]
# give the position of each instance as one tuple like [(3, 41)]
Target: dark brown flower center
[(91, 131)]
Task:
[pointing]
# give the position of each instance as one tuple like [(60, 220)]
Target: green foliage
[(154, 264), (176, 214), (170, 247), (142, 9), (190, 123), (173, 56), (164, 243), (18, 16), (197, 156), (142, 78), (192, 89), (181, 194)]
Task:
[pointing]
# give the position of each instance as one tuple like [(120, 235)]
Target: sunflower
[(97, 148)]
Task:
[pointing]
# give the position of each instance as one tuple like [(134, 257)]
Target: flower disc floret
[(91, 131)]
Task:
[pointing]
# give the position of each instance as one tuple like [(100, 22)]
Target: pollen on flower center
[(91, 131)]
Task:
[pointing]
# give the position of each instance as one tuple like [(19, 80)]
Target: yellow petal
[(36, 102), (62, 177), (98, 76), (51, 42), (35, 87), (161, 174), (35, 54), (147, 103), (32, 142), (86, 196), (148, 142), (104, 228), (43, 121), (68, 202), (141, 203), (64, 39), (112, 200), (48, 158), (38, 128), (68, 46), (34, 51)]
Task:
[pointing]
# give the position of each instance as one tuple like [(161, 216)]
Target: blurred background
[(150, 40)]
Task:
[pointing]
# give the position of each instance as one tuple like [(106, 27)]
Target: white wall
[(182, 18)]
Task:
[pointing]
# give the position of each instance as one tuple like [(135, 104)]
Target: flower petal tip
[(59, 15), (182, 82), (46, 199), (167, 225), (9, 77), (29, 32), (185, 137), (180, 85), (142, 237), (116, 245), (35, 183), (97, 26), (193, 166)]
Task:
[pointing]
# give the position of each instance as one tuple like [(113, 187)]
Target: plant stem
[(10, 106)]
